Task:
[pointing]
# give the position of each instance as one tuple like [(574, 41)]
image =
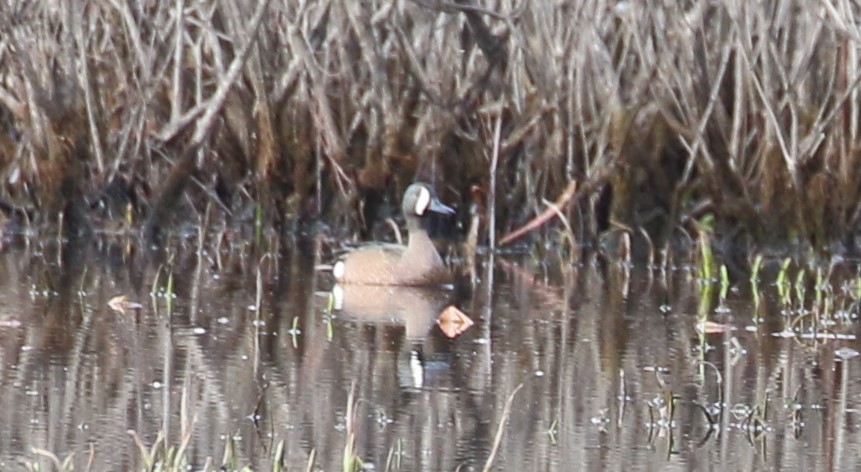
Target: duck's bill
[(437, 206)]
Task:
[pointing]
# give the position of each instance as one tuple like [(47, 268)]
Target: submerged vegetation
[(637, 120)]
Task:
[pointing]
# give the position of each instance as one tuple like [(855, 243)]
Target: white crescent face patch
[(423, 201), (338, 270)]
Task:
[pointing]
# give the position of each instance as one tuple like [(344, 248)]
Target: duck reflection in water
[(417, 309)]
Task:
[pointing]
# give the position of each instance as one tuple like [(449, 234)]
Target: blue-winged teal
[(416, 264)]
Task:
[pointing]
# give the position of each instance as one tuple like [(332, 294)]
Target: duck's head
[(421, 199)]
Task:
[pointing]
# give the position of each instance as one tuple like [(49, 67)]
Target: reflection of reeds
[(500, 429), (165, 457), (581, 338), (352, 461), (65, 465)]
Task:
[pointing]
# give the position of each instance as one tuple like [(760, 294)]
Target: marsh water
[(603, 366)]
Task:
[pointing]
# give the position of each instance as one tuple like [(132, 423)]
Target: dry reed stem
[(497, 440), (179, 177), (723, 102), (491, 194), (545, 216), (84, 80)]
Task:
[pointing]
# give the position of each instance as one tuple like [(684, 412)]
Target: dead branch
[(545, 216)]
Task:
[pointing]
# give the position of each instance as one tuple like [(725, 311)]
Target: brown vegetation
[(748, 111)]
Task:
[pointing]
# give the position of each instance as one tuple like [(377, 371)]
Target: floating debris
[(121, 303), (10, 323), (602, 419), (710, 327), (787, 333), (846, 353), (828, 336), (453, 322)]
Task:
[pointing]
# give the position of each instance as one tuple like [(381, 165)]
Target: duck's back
[(391, 264)]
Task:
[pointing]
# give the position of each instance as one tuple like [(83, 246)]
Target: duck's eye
[(423, 201)]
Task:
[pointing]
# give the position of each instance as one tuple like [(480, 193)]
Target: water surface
[(594, 353)]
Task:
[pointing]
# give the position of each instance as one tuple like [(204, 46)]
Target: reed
[(287, 111)]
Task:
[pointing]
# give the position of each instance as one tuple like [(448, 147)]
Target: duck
[(416, 264)]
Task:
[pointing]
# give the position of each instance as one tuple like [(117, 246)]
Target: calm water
[(595, 355)]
